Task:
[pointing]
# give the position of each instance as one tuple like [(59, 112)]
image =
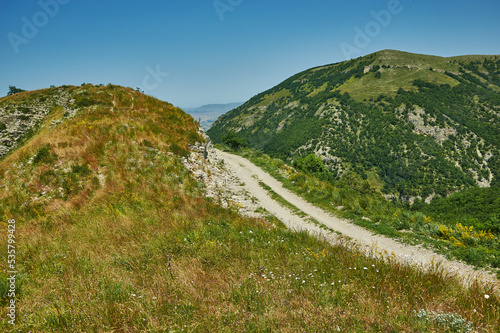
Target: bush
[(44, 155), (82, 169), (48, 177), (24, 110), (232, 140), (313, 165), (3, 127), (177, 150), (309, 164), (84, 102)]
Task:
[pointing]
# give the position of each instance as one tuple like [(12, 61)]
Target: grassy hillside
[(114, 235), (418, 125)]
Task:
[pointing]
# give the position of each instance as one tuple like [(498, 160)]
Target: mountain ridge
[(214, 107), (413, 123)]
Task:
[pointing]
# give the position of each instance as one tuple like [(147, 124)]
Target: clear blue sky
[(224, 54)]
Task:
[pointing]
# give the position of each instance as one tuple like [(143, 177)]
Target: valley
[(207, 114), (249, 166), (127, 218)]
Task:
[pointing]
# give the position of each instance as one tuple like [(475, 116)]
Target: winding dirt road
[(250, 175)]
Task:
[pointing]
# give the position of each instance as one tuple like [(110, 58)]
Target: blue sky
[(194, 52)]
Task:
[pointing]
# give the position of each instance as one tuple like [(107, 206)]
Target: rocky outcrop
[(20, 118), (220, 183), (439, 134)]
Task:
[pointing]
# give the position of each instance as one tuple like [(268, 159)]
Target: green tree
[(309, 164), (14, 90), (313, 165), (232, 140)]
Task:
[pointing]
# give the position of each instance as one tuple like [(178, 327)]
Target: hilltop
[(63, 142), (117, 231), (414, 125)]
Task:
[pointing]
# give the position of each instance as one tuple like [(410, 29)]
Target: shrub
[(313, 165), (232, 140), (84, 102), (309, 164), (48, 177), (44, 155), (24, 110), (14, 90), (82, 169), (177, 150), (147, 143)]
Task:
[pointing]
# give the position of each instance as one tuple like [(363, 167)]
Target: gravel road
[(376, 245)]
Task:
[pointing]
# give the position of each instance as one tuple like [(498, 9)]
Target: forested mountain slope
[(417, 125)]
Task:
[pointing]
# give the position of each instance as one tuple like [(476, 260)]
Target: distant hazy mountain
[(207, 114), (214, 108), (417, 125)]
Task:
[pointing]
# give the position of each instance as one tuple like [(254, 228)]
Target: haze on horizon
[(192, 53)]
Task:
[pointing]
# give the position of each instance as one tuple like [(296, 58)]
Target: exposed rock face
[(18, 120), (438, 133), (220, 184)]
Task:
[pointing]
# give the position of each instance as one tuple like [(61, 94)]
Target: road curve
[(250, 175)]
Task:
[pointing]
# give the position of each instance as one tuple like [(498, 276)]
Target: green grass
[(400, 75), (221, 272), (143, 249), (268, 99), (369, 87), (400, 58), (276, 197)]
